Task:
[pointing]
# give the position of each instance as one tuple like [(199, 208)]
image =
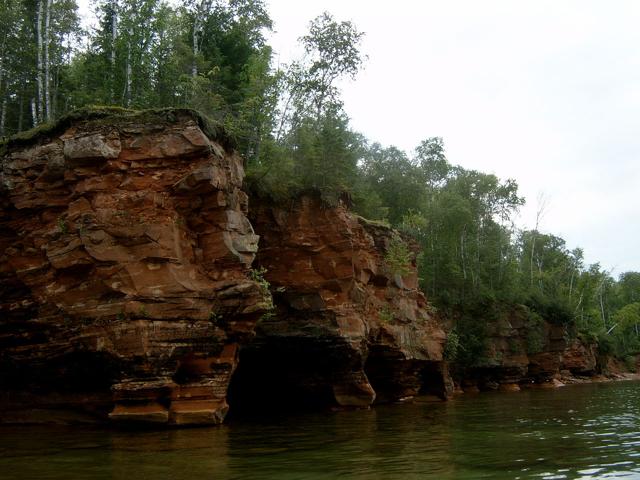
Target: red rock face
[(517, 355), (347, 329), (580, 358), (124, 259), (126, 289)]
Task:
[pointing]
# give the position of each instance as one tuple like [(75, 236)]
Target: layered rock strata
[(347, 328), (519, 354), (125, 251)]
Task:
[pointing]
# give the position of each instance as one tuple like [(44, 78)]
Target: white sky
[(542, 91)]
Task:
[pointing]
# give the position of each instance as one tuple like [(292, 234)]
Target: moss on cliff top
[(373, 223), (116, 115)]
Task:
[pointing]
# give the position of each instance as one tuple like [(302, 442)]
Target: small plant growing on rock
[(431, 308), (121, 317), (451, 346), (214, 317), (62, 226), (268, 315), (386, 314), (257, 275), (535, 333), (514, 346), (630, 363), (143, 312), (398, 257)]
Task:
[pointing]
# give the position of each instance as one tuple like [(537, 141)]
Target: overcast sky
[(545, 92)]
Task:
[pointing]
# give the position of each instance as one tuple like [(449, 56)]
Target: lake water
[(583, 431)]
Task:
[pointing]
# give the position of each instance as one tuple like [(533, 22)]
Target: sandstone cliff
[(124, 259), (347, 328), (521, 352), (127, 289)]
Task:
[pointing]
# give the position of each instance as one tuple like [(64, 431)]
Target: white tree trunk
[(21, 113), (47, 64), (128, 81), (3, 116), (464, 269), (433, 260), (39, 74), (477, 277), (533, 249), (34, 112), (194, 66), (201, 9), (114, 37), (1, 69), (542, 206), (604, 319)]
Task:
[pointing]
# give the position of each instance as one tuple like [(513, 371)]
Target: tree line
[(289, 123)]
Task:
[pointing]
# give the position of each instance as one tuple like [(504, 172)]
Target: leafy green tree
[(626, 330), (312, 132), (628, 288), (332, 51), (12, 35), (395, 178), (230, 69), (36, 38), (430, 157)]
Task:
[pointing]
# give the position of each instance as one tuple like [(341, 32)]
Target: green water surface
[(582, 431)]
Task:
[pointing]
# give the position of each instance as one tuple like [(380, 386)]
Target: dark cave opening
[(434, 380), (288, 374)]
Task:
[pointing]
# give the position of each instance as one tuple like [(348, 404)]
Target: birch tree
[(136, 37), (332, 51), (540, 212), (11, 20), (38, 107), (110, 24), (47, 62), (199, 10)]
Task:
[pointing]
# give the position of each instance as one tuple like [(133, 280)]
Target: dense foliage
[(290, 125)]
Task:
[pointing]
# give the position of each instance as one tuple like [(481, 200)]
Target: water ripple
[(578, 432)]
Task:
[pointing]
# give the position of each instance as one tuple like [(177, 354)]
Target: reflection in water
[(584, 431)]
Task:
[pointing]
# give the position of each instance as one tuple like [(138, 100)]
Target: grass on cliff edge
[(107, 114)]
